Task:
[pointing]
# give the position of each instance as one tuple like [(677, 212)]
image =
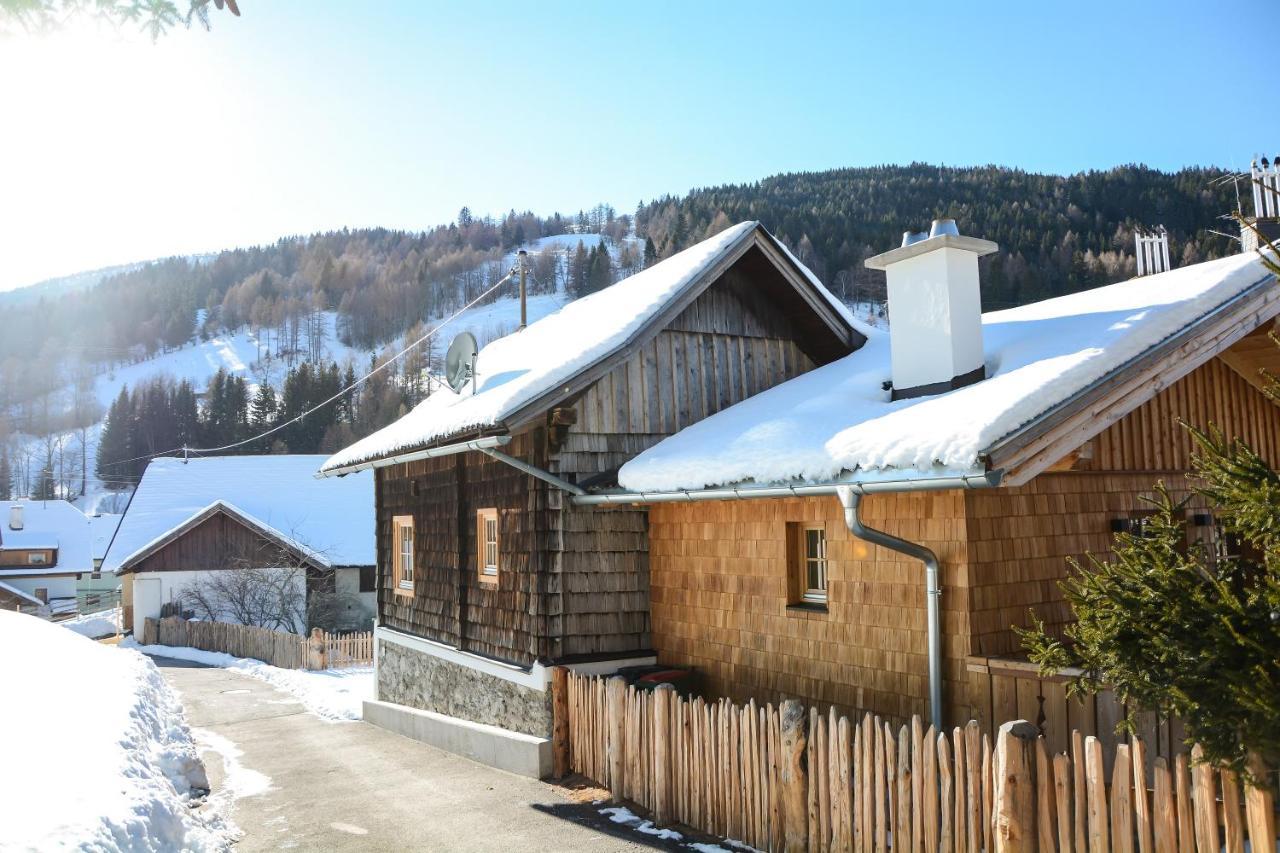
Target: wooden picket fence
[(278, 648), (783, 778)]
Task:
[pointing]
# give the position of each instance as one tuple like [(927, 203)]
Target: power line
[(379, 368)]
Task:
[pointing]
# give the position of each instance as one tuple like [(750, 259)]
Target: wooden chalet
[(816, 586), (488, 571)]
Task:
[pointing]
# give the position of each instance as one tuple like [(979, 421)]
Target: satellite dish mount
[(460, 362)]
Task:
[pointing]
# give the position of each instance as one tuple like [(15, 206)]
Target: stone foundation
[(416, 679)]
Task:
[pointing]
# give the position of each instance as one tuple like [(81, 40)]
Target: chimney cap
[(944, 240)]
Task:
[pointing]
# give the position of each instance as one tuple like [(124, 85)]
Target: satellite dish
[(460, 361)]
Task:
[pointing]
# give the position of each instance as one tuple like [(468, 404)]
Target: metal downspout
[(851, 500)]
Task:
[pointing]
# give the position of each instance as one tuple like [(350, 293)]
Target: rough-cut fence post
[(662, 753), (1015, 813), (616, 731), (559, 721), (794, 784)]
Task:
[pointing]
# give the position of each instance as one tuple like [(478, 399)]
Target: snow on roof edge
[(238, 513)]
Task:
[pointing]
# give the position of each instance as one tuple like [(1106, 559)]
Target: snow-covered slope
[(98, 754)]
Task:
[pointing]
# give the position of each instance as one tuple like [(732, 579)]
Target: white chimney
[(15, 517), (935, 310)]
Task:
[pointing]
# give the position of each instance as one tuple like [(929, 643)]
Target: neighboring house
[(211, 514), (44, 549), (488, 571), (12, 598)]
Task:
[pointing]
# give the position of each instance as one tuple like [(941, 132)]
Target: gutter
[(481, 444)]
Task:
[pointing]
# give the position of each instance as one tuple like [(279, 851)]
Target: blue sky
[(304, 116)]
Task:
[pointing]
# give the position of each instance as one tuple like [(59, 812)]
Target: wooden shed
[(488, 572)]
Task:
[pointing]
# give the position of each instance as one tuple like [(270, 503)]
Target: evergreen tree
[(650, 252), (262, 412), (579, 270), (115, 443), (43, 489), (1191, 632)]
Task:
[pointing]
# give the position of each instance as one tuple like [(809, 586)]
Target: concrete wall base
[(522, 754)]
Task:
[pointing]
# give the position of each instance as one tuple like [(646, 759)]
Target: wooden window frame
[(799, 592), (403, 585), (37, 558), (488, 571)]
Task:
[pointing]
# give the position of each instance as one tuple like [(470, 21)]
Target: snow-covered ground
[(98, 754), (332, 694), (94, 625)]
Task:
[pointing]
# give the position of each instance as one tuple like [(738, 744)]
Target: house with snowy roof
[(849, 516), (191, 518), (45, 547), (488, 570)]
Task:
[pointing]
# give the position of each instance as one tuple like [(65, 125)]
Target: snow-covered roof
[(517, 369), (45, 525), (103, 527), (333, 517), (838, 419), (17, 593)]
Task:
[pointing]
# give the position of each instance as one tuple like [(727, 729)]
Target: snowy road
[(294, 781)]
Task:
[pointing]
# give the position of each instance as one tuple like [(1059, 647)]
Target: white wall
[(64, 587), (348, 581), (171, 584)]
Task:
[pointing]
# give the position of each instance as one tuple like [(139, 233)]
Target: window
[(487, 545), (42, 593), (402, 555), (368, 579), (37, 558), (815, 565), (807, 563)]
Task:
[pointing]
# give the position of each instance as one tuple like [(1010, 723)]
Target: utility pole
[(523, 260)]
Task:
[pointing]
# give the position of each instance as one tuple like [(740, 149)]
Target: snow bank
[(94, 625), (332, 694), (838, 418), (97, 751)]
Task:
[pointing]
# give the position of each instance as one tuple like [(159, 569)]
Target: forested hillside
[(289, 324), (1056, 234)]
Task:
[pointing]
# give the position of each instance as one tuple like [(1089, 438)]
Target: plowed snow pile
[(97, 752)]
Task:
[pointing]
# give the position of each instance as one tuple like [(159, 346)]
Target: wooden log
[(1259, 805), (1096, 790), (946, 837), (1062, 784), (662, 753), (902, 838), (860, 778), (929, 790), (1014, 817), (616, 731), (877, 773), (560, 760), (1079, 797), (1164, 815), (1046, 806), (1141, 801), (1122, 801), (843, 792), (775, 787), (1205, 802), (890, 782), (1232, 819), (792, 779), (960, 834), (1186, 821), (814, 792), (973, 785), (917, 784), (832, 786), (988, 792)]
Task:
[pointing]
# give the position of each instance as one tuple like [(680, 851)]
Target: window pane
[(813, 543)]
